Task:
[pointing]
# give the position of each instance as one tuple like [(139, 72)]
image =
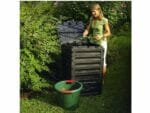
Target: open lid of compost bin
[(70, 31)]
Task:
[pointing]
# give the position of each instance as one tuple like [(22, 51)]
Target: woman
[(99, 30)]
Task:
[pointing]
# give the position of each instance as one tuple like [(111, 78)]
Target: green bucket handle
[(69, 81), (68, 91)]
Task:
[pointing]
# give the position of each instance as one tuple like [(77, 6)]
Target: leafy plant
[(38, 43)]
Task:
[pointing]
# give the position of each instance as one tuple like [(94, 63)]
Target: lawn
[(116, 94)]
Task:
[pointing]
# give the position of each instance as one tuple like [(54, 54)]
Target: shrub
[(118, 46), (38, 43)]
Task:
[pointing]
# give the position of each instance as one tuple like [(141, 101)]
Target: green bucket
[(68, 93)]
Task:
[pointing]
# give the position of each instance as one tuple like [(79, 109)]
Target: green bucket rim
[(68, 91)]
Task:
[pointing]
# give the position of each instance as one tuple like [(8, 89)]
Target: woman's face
[(95, 13)]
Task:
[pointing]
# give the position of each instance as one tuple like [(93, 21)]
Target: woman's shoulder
[(104, 19)]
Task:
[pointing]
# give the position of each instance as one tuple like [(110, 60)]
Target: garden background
[(40, 55)]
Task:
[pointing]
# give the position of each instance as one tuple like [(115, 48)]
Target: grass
[(116, 94)]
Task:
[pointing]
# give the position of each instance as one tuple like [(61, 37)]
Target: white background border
[(9, 56)]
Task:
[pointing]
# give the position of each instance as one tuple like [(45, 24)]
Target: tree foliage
[(117, 12)]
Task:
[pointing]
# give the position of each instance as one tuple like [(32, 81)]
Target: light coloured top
[(96, 28)]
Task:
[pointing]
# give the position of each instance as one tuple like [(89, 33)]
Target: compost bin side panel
[(84, 64)]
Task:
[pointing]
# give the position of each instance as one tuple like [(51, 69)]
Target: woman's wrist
[(103, 36)]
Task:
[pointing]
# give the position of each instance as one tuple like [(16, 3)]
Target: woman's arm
[(106, 30), (87, 30)]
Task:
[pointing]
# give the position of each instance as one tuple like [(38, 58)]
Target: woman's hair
[(96, 6)]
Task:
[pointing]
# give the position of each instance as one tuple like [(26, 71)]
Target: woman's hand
[(85, 33), (98, 37)]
